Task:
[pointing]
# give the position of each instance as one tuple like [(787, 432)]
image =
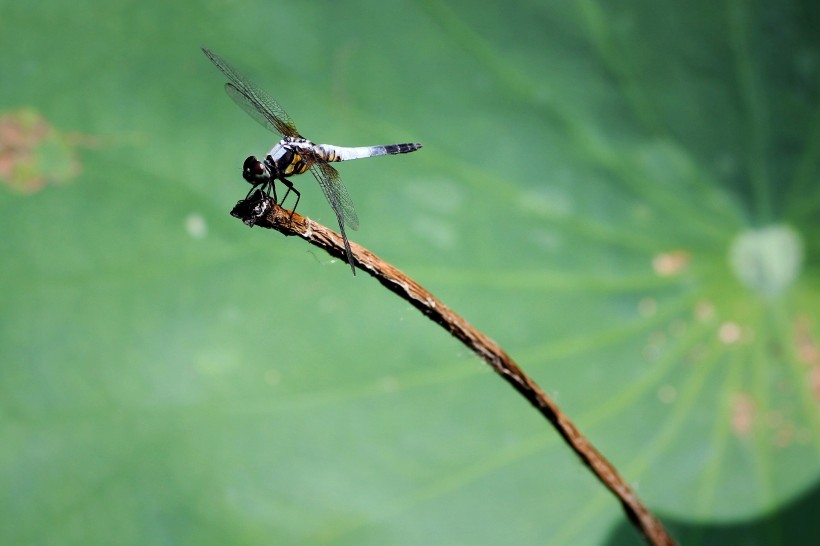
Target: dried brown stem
[(261, 211)]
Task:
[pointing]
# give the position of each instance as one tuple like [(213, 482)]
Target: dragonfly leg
[(290, 187), (253, 188), (267, 187), (272, 186)]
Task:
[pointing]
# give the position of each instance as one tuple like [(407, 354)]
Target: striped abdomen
[(295, 155), (332, 153)]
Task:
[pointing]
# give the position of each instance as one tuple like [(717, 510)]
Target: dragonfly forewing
[(251, 108), (251, 98)]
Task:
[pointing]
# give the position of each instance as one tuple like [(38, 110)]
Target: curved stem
[(260, 210)]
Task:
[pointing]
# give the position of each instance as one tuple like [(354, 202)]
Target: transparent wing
[(252, 108), (335, 193), (253, 100), (339, 200)]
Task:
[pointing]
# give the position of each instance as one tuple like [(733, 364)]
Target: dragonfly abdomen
[(333, 153)]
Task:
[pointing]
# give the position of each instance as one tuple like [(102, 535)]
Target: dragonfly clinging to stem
[(294, 154)]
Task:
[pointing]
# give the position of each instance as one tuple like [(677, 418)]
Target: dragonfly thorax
[(284, 160), (290, 156)]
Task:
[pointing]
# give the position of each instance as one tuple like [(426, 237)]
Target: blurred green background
[(623, 195)]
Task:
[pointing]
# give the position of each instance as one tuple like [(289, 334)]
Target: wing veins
[(336, 193), (248, 95)]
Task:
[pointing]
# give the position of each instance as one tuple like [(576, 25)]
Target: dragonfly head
[(255, 172)]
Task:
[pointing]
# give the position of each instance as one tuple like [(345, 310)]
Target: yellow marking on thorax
[(297, 166)]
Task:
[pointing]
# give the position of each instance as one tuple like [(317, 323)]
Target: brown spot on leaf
[(808, 353), (668, 264), (704, 311), (743, 412), (814, 381), (729, 333), (34, 154)]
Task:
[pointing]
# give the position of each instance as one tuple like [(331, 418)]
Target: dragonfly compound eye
[(254, 171)]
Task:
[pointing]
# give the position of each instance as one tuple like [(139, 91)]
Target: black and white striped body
[(295, 155)]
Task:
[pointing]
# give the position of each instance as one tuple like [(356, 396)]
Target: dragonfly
[(295, 154)]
